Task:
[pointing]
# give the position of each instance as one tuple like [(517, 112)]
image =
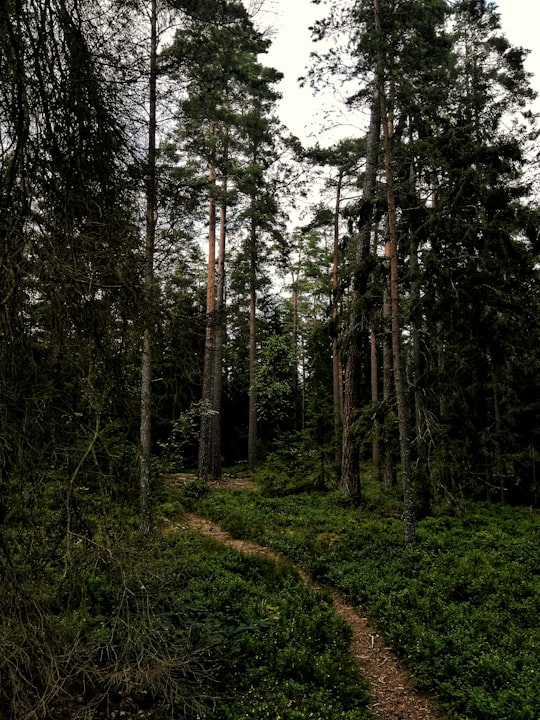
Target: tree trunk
[(376, 441), (252, 429), (374, 368), (423, 485), (148, 333), (337, 370), (389, 462), (205, 437), (499, 463), (297, 407), (350, 463), (217, 371), (408, 501)]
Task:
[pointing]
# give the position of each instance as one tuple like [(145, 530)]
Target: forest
[(186, 287)]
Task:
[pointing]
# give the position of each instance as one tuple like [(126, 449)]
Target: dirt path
[(394, 697)]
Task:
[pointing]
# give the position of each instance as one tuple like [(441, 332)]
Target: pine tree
[(229, 93), (460, 219)]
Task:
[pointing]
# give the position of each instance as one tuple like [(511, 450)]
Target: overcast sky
[(303, 113)]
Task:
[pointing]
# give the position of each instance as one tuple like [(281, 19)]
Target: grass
[(461, 606)]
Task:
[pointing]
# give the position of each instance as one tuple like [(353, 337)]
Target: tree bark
[(422, 481), (497, 433), (388, 390), (145, 486), (376, 443), (217, 384), (297, 407), (252, 420), (205, 436), (408, 501), (350, 463), (337, 369)]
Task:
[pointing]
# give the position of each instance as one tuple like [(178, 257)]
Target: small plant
[(100, 637), (295, 466), (461, 606), (196, 489), (184, 433)]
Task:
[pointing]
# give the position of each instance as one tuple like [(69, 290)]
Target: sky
[(302, 113)]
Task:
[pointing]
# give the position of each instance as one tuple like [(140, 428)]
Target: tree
[(350, 479), (68, 257), (261, 214), (482, 257), (408, 502), (148, 332), (345, 157), (446, 78), (229, 95)]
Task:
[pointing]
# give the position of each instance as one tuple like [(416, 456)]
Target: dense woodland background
[(160, 312)]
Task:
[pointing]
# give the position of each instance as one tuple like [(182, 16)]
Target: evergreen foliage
[(461, 606), (290, 312)]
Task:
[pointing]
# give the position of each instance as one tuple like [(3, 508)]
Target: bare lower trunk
[(389, 462), (145, 481), (497, 435), (350, 464), (205, 436), (217, 381), (422, 479), (408, 501), (349, 482), (337, 370), (297, 407), (376, 441), (252, 412), (252, 430), (145, 438)]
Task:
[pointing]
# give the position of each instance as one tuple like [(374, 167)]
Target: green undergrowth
[(180, 627), (280, 650), (461, 606)]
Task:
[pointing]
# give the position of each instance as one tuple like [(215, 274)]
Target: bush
[(182, 627), (296, 466), (462, 606), (96, 637)]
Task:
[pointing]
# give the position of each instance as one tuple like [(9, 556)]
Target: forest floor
[(392, 688)]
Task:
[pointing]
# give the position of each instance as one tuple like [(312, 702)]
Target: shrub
[(462, 606)]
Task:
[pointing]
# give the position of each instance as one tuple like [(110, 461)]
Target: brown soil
[(392, 688)]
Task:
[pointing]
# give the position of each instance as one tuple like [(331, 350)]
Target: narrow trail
[(393, 692)]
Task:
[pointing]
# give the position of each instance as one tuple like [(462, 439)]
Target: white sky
[(302, 113)]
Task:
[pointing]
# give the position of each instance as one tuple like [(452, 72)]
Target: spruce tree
[(452, 84)]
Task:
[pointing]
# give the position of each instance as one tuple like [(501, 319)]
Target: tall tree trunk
[(389, 463), (350, 463), (423, 485), (337, 369), (376, 442), (499, 463), (252, 428), (297, 408), (215, 419), (205, 436), (303, 388), (408, 501), (148, 333)]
